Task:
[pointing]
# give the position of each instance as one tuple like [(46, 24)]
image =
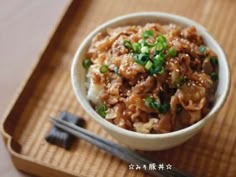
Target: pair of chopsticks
[(117, 150)]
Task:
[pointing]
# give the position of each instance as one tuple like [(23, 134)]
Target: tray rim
[(16, 157), (7, 137)]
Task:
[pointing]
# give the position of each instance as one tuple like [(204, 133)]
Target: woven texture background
[(210, 153)]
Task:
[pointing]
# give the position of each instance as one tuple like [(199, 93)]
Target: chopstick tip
[(51, 119)]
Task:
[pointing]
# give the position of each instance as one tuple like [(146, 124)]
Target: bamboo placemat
[(210, 153)]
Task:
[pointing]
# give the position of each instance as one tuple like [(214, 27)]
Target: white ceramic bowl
[(150, 141)]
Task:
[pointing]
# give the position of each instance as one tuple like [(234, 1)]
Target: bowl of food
[(152, 80)]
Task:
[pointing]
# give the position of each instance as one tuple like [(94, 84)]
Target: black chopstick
[(116, 149)]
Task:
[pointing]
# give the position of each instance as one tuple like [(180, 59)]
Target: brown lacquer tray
[(47, 91)]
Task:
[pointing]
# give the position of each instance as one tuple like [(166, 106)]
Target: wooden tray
[(47, 91)]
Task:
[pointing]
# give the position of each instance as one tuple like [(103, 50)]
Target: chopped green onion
[(116, 70), (127, 44), (155, 69), (103, 69), (214, 61), (164, 108), (162, 70), (161, 43), (142, 42), (145, 49), (136, 47), (158, 67), (214, 76), (159, 59), (155, 105), (150, 102), (159, 47), (202, 49), (172, 52), (86, 63), (161, 39), (102, 110), (148, 65), (147, 34), (141, 58), (164, 45)]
